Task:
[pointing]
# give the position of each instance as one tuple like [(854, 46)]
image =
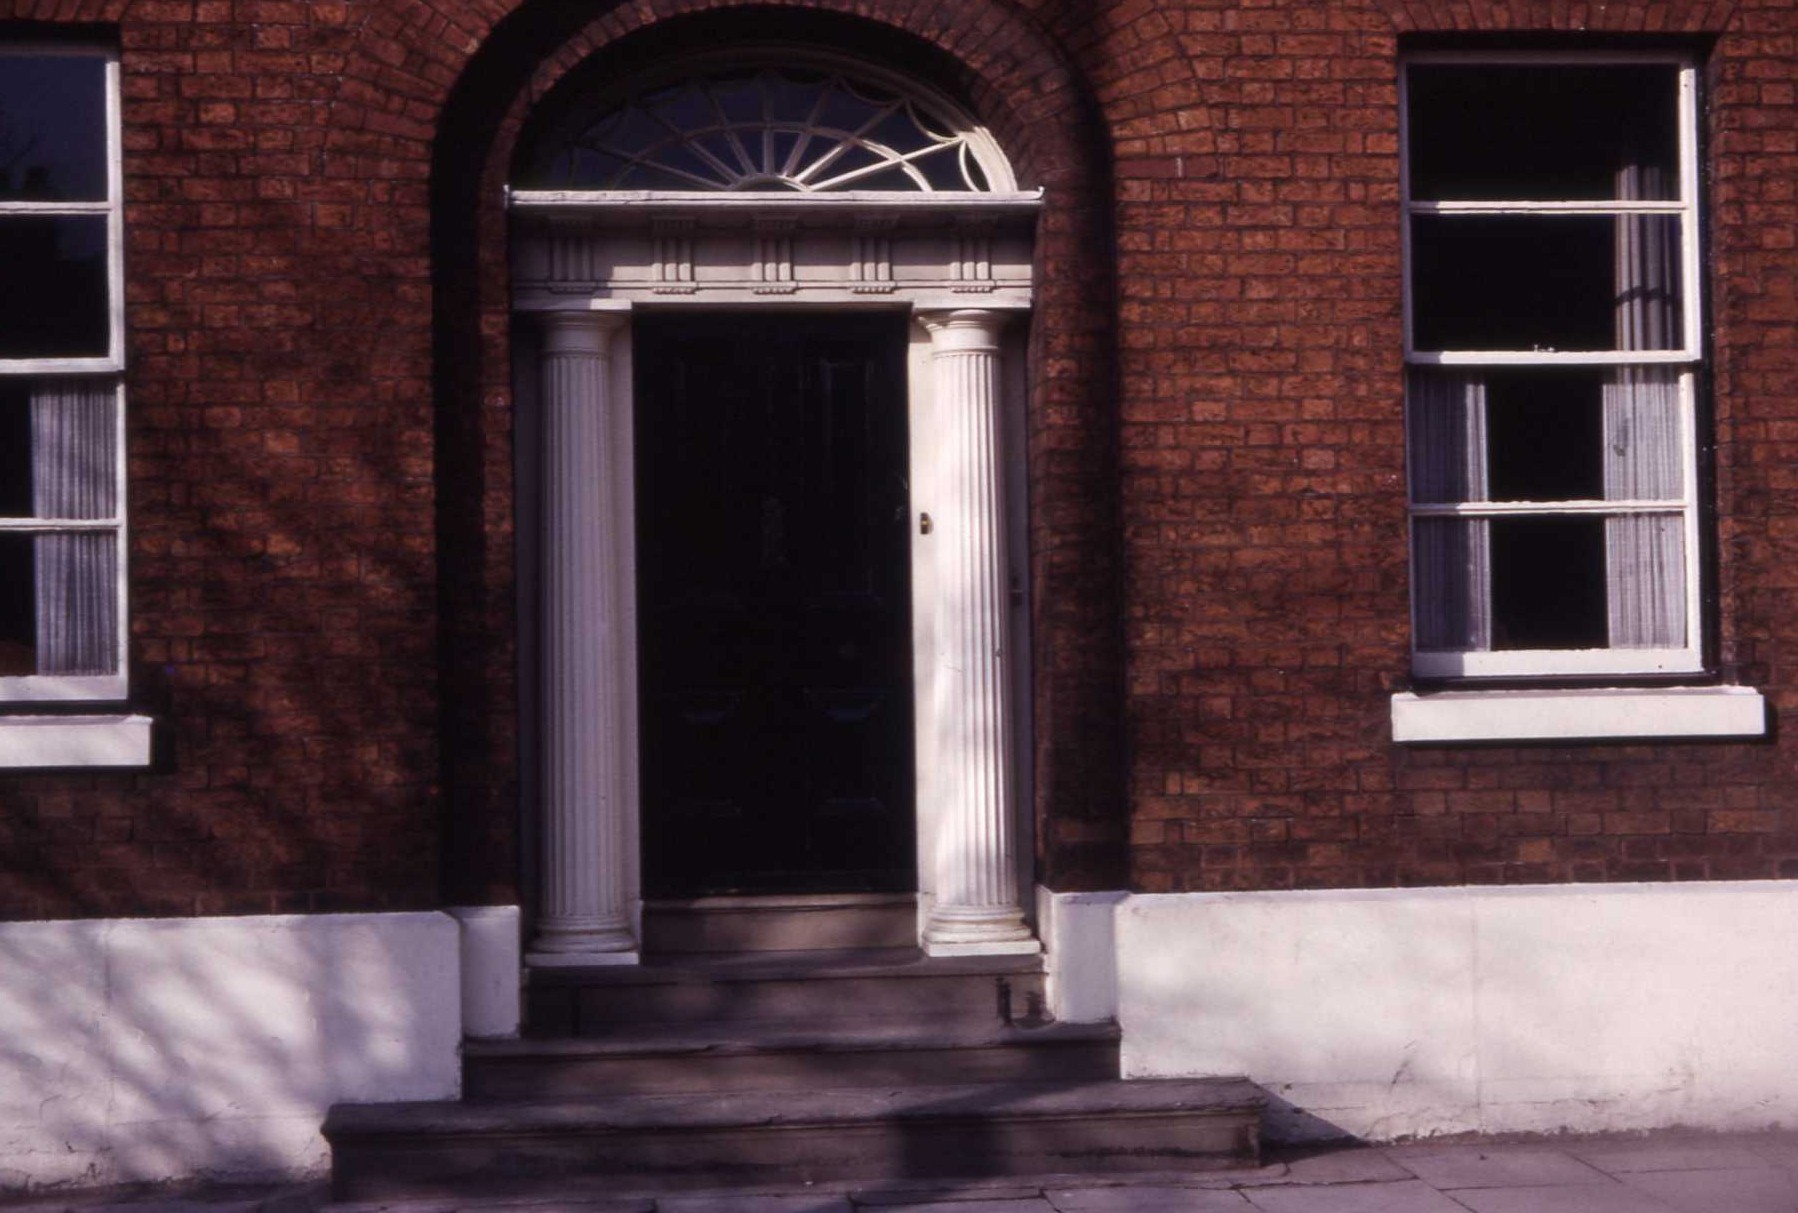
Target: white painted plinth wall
[(147, 1050), (1396, 1013)]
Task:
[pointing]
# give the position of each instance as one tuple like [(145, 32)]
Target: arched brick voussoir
[(73, 12), (1559, 16), (1142, 76)]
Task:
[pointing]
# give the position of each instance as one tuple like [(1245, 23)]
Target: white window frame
[(1514, 663), (114, 685)]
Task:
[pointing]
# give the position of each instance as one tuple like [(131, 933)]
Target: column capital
[(963, 329), (584, 332)]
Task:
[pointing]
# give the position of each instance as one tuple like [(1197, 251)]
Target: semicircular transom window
[(771, 128)]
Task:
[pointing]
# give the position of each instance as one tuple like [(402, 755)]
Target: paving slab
[(1756, 1190), (177, 1204), (1408, 1197), (1779, 1149), (961, 1195), (820, 1203), (1619, 1157), (1493, 1166), (1033, 1205), (1148, 1199), (178, 1198), (1346, 1165), (521, 1204), (1576, 1198)]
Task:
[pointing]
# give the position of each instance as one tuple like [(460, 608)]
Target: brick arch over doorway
[(1017, 81)]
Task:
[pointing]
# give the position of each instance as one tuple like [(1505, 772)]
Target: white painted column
[(976, 908), (584, 918)]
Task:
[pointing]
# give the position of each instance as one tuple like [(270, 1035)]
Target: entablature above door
[(577, 248)]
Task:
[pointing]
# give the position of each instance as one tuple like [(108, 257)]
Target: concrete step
[(787, 923), (778, 1057), (811, 988), (673, 1142)]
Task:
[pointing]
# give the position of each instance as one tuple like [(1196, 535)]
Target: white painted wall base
[(1080, 938), (147, 1050), (492, 970), (1416, 1012)]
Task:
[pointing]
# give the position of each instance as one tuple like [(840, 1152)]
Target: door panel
[(774, 603)]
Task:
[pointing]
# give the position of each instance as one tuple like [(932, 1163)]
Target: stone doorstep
[(781, 923), (854, 1036), (805, 965), (769, 1056), (800, 1109), (595, 1145), (804, 987), (896, 1195)]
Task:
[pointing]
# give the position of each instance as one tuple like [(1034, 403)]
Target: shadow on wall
[(153, 1050)]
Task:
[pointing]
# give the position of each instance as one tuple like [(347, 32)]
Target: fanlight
[(768, 129)]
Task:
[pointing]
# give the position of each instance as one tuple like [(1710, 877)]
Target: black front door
[(774, 603)]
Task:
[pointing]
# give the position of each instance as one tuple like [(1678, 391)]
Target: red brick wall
[(322, 570), (280, 490), (1263, 487)]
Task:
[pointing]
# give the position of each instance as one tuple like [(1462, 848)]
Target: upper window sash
[(110, 209), (1683, 210)]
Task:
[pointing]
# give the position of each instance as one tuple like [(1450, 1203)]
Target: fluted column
[(583, 918), (976, 907)]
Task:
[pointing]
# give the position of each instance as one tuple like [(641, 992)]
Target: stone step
[(788, 923), (810, 988), (673, 1142), (778, 1057)]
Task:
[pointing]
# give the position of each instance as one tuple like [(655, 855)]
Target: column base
[(580, 944), (580, 960), (1010, 947), (978, 931)]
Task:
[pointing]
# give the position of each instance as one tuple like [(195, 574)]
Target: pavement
[(1654, 1173)]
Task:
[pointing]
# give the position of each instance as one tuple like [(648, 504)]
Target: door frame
[(960, 266)]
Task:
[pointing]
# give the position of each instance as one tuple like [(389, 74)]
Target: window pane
[(1647, 559), (1545, 434), (1544, 132), (1548, 583), (1546, 282), (77, 603), (1445, 422), (59, 604), (52, 127), (15, 449), (58, 448), (18, 609), (54, 304), (1450, 564)]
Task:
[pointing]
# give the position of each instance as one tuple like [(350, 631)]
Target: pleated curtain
[(1642, 447), (74, 459)]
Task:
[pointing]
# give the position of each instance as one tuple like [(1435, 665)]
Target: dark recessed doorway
[(774, 603)]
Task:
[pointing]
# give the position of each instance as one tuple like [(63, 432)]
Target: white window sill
[(1589, 713), (74, 741)]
